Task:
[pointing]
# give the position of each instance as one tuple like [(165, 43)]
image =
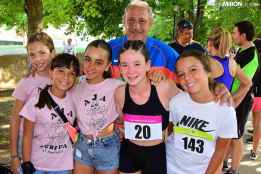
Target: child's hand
[(223, 95), (119, 128), (15, 164), (156, 76), (32, 70)]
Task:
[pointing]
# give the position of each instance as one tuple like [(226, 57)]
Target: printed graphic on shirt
[(55, 140), (143, 127), (96, 106), (194, 135)]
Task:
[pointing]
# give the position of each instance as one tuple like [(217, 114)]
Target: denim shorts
[(101, 154), (52, 172), (47, 172)]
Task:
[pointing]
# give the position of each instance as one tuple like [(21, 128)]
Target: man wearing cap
[(137, 20), (184, 36)]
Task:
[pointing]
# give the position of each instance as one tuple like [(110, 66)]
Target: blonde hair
[(43, 38), (139, 3), (221, 40)]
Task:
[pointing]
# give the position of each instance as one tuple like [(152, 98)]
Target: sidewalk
[(247, 166)]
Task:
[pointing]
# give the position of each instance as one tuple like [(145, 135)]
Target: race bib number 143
[(143, 127)]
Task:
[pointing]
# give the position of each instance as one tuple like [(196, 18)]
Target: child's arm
[(14, 134), (218, 156), (27, 139), (119, 101), (27, 166), (245, 84)]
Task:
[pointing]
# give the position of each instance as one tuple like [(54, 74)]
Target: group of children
[(123, 126)]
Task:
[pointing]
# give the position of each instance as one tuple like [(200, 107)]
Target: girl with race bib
[(97, 150), (144, 108), (202, 128), (40, 50), (47, 148)]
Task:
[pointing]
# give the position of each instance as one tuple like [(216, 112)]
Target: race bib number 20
[(143, 127)]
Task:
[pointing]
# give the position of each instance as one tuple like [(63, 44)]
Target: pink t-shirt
[(26, 86), (95, 105), (51, 146)]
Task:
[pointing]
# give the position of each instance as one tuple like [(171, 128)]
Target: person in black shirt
[(184, 36), (247, 59)]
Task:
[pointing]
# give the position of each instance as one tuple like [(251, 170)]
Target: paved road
[(248, 166)]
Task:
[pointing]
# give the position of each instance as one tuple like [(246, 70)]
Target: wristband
[(28, 167)]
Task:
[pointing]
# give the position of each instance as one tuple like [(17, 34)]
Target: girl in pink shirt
[(40, 50), (46, 144), (97, 150)]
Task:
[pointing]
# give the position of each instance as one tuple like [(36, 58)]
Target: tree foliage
[(217, 14), (95, 17), (103, 18), (31, 15), (12, 14)]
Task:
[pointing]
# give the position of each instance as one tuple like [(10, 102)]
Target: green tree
[(98, 18), (204, 18), (12, 14), (33, 15), (104, 18)]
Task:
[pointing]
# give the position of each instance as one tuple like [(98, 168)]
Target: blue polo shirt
[(162, 56)]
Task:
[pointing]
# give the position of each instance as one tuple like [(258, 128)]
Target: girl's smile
[(95, 63), (193, 77), (133, 66), (40, 57), (62, 80)]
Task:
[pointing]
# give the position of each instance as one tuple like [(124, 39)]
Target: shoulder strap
[(57, 108)]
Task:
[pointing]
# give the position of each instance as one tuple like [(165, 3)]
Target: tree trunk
[(34, 12), (199, 15)]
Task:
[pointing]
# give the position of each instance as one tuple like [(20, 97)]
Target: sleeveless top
[(226, 78), (152, 107)]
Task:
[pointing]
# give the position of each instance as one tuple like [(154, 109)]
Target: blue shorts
[(101, 154), (48, 172), (52, 172)]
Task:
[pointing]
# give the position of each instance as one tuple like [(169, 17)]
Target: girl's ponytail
[(44, 99)]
